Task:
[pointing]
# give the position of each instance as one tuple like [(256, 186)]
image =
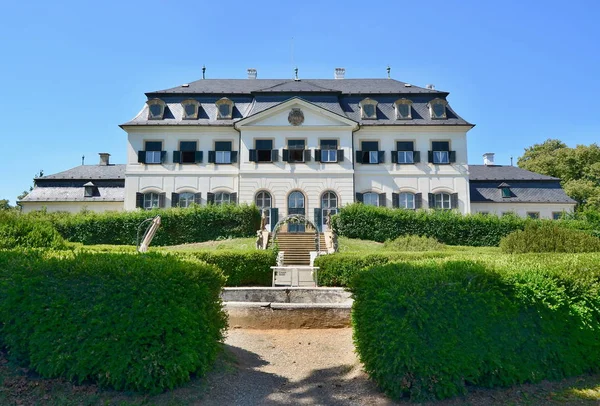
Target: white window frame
[(260, 199), (151, 201), (328, 155), (222, 157), (156, 102), (369, 102), (186, 199), (406, 157), (370, 196), (441, 157), (153, 157), (406, 200), (443, 201), (435, 102), (373, 157), (404, 102), (222, 198), (191, 102)]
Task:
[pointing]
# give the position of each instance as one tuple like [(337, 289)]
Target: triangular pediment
[(297, 112)]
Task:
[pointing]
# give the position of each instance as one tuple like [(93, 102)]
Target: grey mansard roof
[(340, 96), (74, 194), (485, 183), (89, 172)]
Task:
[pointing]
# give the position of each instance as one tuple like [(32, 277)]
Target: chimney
[(251, 73), (104, 159), (488, 158), (339, 73), (430, 87)]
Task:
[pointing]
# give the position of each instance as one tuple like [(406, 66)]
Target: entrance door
[(329, 204), (296, 206), (263, 202)]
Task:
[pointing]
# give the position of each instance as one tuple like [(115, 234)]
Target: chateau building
[(304, 146)]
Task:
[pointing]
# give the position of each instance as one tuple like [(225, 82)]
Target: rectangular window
[(370, 152), (441, 152), (263, 150), (557, 215), (329, 150), (533, 214), (153, 152), (188, 151), (223, 152), (296, 150), (506, 192)]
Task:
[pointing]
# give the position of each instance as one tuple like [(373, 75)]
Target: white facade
[(539, 210), (70, 207), (313, 179)]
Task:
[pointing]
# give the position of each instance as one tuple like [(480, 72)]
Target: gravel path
[(292, 367)]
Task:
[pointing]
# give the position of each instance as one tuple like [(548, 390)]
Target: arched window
[(263, 202), (151, 200), (222, 198), (443, 201), (156, 109), (407, 201), (371, 199), (368, 109), (437, 108), (186, 199), (329, 200), (224, 109), (190, 109), (403, 109)]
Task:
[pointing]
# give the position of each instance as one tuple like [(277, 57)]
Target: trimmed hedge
[(242, 268), (548, 237), (339, 269), (430, 330), (131, 322), (178, 226), (18, 231), (448, 227), (414, 243)]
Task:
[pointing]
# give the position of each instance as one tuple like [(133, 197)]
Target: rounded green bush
[(549, 237), (431, 330), (20, 231), (128, 321)]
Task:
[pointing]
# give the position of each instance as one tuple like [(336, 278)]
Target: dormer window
[(90, 190), (190, 109), (403, 109), (156, 109), (437, 108), (505, 189), (224, 109), (368, 109)]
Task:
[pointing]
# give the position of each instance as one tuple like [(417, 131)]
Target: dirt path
[(285, 367)]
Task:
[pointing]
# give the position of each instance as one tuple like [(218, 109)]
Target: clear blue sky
[(522, 71)]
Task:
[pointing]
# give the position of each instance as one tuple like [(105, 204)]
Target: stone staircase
[(297, 247)]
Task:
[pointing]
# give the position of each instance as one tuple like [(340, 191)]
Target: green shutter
[(275, 155), (340, 155), (317, 155), (198, 198), (142, 157), (211, 157), (139, 200), (454, 200), (395, 200), (380, 157), (286, 155), (318, 219), (430, 157), (382, 200), (416, 157), (431, 202), (274, 217), (198, 156), (174, 199), (163, 156), (358, 156), (418, 200), (452, 156), (176, 157), (394, 157), (359, 197), (210, 198), (233, 198), (161, 199), (252, 155), (234, 157)]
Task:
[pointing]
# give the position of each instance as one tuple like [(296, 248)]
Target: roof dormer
[(224, 109), (190, 109), (368, 109), (403, 109), (156, 109), (437, 109)]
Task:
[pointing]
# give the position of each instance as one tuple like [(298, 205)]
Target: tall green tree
[(4, 205), (578, 168)]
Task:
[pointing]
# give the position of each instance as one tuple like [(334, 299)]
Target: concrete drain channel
[(287, 307)]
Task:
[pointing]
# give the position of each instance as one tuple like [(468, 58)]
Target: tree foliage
[(578, 168)]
